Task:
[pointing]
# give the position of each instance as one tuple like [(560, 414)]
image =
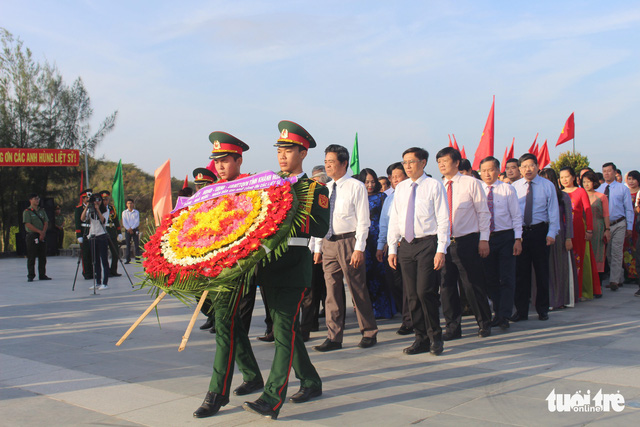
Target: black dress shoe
[(436, 348), (260, 407), (211, 405), (213, 329), (404, 330), (115, 274), (268, 337), (127, 262), (448, 336), (417, 347), (367, 342), (518, 317), (44, 278), (208, 324), (597, 296), (328, 345), (496, 321), (484, 332), (248, 387), (544, 316), (305, 336), (29, 279), (504, 324), (305, 394)]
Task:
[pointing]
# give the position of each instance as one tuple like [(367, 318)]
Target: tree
[(576, 160), (38, 110)]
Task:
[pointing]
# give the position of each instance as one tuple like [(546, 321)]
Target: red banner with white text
[(38, 157)]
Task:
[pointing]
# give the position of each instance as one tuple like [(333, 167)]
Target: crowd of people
[(482, 243)]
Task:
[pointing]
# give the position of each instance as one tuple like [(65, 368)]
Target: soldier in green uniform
[(203, 177), (232, 340), (82, 231), (113, 229), (36, 222), (288, 278)]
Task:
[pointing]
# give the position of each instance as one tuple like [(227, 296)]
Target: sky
[(400, 74)]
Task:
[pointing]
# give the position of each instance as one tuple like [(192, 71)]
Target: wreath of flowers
[(210, 245)]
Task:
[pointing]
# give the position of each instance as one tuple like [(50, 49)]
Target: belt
[(419, 239), (85, 225), (498, 233), (534, 226), (453, 239), (612, 223), (336, 237), (298, 241)]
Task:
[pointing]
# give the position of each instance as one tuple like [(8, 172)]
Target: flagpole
[(574, 137)]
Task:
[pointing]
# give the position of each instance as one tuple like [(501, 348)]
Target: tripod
[(93, 249)]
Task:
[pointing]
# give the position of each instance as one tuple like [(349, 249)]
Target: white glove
[(120, 237), (80, 240)]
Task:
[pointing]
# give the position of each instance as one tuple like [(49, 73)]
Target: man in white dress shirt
[(538, 202), (419, 220), (470, 224), (343, 252), (505, 241), (621, 220)]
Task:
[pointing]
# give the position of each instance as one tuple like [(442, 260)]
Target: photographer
[(94, 211)]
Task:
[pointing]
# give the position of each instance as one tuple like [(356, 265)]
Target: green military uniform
[(232, 339), (82, 231), (35, 246), (112, 226), (286, 280)]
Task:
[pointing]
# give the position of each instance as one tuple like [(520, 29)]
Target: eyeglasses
[(409, 162)]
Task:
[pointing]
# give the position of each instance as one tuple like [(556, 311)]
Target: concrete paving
[(59, 364)]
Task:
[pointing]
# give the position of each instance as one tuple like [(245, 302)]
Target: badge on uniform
[(323, 201)]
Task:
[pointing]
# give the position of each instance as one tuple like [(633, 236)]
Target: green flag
[(117, 191), (355, 158)]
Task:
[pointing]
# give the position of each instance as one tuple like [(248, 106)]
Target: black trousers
[(394, 280), (100, 258), (113, 249), (421, 286), (463, 265), (500, 271), (36, 250), (311, 302), (534, 252), (244, 310)]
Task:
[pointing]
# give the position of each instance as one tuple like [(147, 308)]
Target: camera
[(95, 198)]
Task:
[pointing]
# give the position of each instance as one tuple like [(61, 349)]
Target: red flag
[(186, 182), (534, 147), (81, 187), (450, 143), (462, 153), (212, 167), (485, 148), (543, 156), (508, 154), (568, 131), (162, 192), (455, 143)]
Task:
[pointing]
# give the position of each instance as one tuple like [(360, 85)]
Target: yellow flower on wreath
[(210, 220)]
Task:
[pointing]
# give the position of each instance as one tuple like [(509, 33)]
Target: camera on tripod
[(92, 199)]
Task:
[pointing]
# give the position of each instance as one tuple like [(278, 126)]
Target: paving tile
[(58, 354)]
